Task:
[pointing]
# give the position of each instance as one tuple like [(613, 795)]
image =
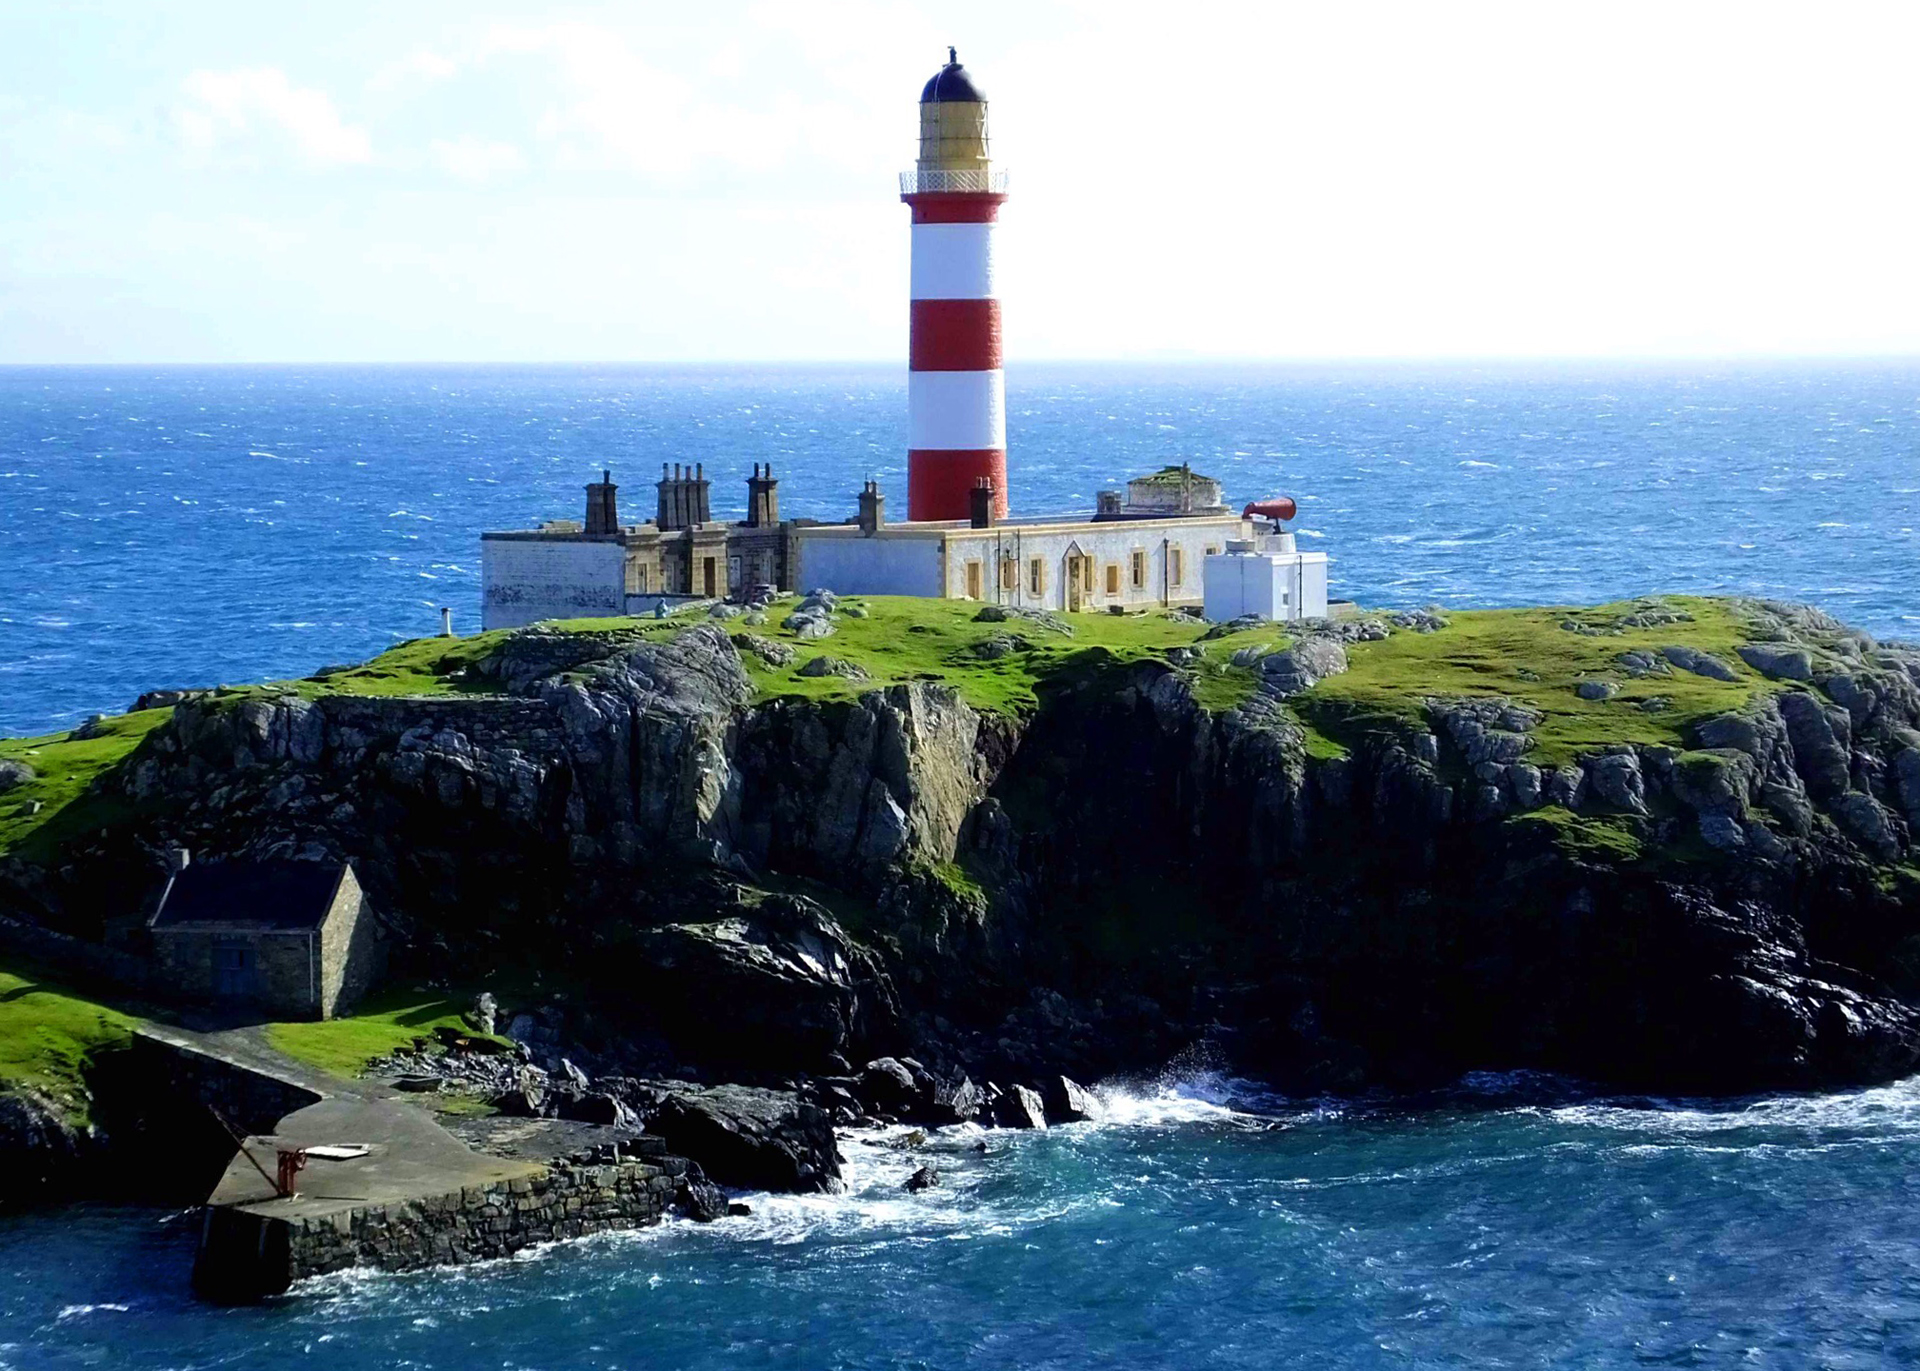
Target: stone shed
[(297, 939)]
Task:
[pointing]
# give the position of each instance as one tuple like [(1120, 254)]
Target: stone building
[(568, 570), (1149, 549), (291, 938)]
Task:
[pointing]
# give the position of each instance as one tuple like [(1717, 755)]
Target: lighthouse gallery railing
[(992, 182)]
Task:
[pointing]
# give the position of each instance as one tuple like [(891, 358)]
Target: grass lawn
[(1525, 655), (59, 801), (385, 1024), (904, 639), (48, 1034)]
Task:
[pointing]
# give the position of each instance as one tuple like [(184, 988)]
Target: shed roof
[(272, 896)]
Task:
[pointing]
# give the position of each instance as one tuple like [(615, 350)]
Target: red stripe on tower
[(956, 392)]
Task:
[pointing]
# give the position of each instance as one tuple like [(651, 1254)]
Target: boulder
[(1596, 690), (1699, 663), (994, 648), (886, 1087), (13, 774), (1066, 1101), (750, 1138), (923, 1179), (1302, 666), (834, 666), (774, 653), (808, 627), (1779, 661), (484, 1012), (1019, 1107)]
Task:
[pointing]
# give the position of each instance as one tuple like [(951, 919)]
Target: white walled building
[(1268, 577), (1058, 564)]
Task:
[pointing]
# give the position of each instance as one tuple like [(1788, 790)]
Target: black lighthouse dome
[(952, 85)]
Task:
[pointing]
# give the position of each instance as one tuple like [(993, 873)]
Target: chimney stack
[(980, 514), (763, 498), (602, 513), (873, 509)]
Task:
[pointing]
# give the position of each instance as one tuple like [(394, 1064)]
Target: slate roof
[(272, 896)]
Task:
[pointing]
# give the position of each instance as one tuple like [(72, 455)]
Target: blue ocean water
[(1479, 1231), (186, 526), (182, 526)]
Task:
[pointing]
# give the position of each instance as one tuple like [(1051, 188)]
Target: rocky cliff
[(1338, 877)]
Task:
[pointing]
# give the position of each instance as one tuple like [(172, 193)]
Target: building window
[(1113, 578), (1036, 577), (973, 580), (1086, 574), (1176, 565), (1009, 574), (1213, 550), (1139, 569)]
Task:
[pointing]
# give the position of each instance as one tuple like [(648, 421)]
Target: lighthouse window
[(1139, 569), (1009, 574), (1176, 565), (1113, 578), (1036, 576)]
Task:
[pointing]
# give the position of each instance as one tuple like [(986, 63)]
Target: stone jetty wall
[(247, 1255)]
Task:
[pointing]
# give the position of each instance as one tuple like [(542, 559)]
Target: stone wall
[(245, 1255), (528, 577)]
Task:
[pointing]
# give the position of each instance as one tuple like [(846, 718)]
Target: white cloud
[(476, 160), (234, 106)]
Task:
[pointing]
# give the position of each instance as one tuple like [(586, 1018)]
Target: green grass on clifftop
[(61, 800), (939, 640), (1526, 655), (384, 1025), (48, 1035)]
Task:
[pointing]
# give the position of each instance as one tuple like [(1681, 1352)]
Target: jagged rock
[(834, 666), (1863, 818), (1722, 831), (750, 1138), (484, 1012), (774, 653), (1637, 663), (13, 774), (1699, 663), (1418, 620), (1019, 1107), (1821, 736), (40, 1146), (1485, 730), (796, 988), (1596, 690), (1718, 781), (697, 1198), (1301, 666), (923, 1179), (1068, 1102), (994, 648), (1524, 780), (1778, 661), (1616, 780)]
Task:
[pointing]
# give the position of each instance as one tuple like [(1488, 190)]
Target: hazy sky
[(711, 180)]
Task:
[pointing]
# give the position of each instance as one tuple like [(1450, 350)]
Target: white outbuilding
[(1267, 576)]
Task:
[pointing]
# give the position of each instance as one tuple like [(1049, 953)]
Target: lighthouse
[(956, 392)]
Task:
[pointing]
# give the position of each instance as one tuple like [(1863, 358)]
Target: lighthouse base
[(940, 482)]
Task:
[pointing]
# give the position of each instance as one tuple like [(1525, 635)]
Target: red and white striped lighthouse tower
[(956, 393)]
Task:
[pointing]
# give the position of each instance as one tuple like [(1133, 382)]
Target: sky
[(716, 181)]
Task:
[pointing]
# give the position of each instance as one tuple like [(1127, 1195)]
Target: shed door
[(234, 969)]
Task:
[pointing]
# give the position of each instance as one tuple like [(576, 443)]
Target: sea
[(194, 526)]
